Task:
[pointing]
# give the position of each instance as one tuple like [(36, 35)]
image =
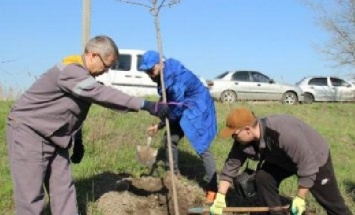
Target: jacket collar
[(262, 125)]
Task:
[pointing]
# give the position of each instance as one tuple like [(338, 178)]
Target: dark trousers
[(325, 189), (207, 157), (37, 164)]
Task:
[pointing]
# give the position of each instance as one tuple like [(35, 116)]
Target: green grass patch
[(111, 137)]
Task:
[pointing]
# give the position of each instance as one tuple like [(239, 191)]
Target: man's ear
[(91, 55)]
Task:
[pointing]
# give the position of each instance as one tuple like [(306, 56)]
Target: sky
[(275, 37)]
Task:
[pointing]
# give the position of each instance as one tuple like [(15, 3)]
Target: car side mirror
[(271, 81)]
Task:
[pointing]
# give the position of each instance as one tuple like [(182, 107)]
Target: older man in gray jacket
[(288, 147), (43, 122)]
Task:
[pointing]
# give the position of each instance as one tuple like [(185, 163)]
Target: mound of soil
[(150, 196)]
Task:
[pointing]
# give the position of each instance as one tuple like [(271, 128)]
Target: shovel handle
[(149, 140), (241, 209), (257, 209)]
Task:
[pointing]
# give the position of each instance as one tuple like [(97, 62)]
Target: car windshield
[(337, 82), (258, 77), (299, 82), (221, 75)]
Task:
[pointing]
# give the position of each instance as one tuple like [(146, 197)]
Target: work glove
[(78, 151), (158, 109), (161, 124), (298, 206), (218, 204)]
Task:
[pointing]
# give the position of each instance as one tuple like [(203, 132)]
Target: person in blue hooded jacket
[(192, 113)]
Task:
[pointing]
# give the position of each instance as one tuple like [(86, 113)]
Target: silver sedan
[(327, 89), (232, 86)]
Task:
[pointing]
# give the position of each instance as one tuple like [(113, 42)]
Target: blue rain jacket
[(194, 110)]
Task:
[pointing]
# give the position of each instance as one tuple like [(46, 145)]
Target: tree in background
[(337, 17), (154, 7)]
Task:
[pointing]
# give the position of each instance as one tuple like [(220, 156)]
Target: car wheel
[(289, 98), (228, 96), (308, 98)]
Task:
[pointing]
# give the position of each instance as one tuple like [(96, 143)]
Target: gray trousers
[(37, 164), (207, 157)]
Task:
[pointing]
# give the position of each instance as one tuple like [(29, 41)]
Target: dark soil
[(123, 195), (151, 196)]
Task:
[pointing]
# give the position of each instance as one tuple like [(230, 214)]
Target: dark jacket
[(286, 142)]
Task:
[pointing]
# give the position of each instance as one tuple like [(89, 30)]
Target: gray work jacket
[(285, 141), (56, 105)]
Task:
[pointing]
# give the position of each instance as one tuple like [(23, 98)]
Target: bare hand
[(152, 130)]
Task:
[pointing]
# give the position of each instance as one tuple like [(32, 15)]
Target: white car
[(326, 88), (127, 77), (231, 86)]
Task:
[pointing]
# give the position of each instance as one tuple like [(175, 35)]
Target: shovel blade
[(146, 155)]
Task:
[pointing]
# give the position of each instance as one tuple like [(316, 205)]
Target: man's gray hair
[(103, 45)]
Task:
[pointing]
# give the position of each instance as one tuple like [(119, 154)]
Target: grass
[(110, 138)]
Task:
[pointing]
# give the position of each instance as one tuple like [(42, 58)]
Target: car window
[(139, 61), (318, 82), (124, 63), (241, 76), (221, 75), (299, 82), (258, 77), (338, 82)]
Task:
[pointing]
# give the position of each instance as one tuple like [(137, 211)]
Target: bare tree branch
[(163, 3), (135, 3), (337, 17), (154, 10), (7, 61)]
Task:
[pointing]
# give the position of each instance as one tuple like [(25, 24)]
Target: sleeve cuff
[(306, 182)]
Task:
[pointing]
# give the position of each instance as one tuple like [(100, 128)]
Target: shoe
[(210, 196)]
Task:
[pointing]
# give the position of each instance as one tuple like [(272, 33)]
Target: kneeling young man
[(288, 147)]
